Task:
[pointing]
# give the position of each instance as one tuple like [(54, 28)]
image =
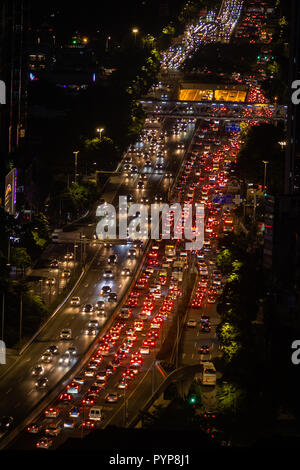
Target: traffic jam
[(215, 27), (127, 350), (205, 180)]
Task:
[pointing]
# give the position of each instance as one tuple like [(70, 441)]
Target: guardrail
[(52, 394), (174, 376)]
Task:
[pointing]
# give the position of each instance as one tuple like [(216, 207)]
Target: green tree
[(224, 261), (20, 258)]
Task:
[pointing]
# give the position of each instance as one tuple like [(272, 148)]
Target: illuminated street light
[(135, 32), (283, 143), (100, 130)]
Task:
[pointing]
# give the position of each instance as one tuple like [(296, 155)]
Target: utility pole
[(21, 317), (3, 312), (76, 157), (265, 162), (125, 410)]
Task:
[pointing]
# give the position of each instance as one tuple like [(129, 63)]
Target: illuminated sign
[(10, 198), (2, 92)]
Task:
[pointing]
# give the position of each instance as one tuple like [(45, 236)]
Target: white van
[(95, 413)]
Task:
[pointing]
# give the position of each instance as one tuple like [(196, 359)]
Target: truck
[(208, 374)]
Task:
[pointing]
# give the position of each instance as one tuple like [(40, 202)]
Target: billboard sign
[(10, 198), (232, 127)]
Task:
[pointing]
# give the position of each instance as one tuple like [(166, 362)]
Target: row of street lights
[(76, 152)]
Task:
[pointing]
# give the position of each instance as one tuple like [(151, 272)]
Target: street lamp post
[(100, 130), (76, 157), (135, 32), (265, 162), (106, 44), (3, 313)]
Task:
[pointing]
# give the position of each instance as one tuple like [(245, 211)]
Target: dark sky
[(110, 17)]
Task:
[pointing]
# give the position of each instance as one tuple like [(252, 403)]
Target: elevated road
[(214, 110)]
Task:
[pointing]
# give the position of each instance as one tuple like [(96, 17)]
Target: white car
[(65, 359), (75, 301), (108, 274), (144, 350)]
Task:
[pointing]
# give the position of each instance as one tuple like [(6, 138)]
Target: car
[(88, 424), (69, 256), (108, 274), (131, 253), (205, 328), (66, 334), (140, 184), (112, 259), (34, 428), (51, 413), (88, 399), (107, 244), (47, 357), (54, 263), (144, 350), (66, 397), (66, 273), (65, 359), (204, 349), (90, 331), (53, 349), (123, 383), (75, 301), (69, 424), (44, 443), (102, 375), (50, 281), (41, 383), (38, 371), (111, 398), (105, 291), (112, 297), (88, 308), (6, 423), (93, 323), (100, 304), (191, 323), (74, 412), (72, 351), (135, 368), (125, 272)]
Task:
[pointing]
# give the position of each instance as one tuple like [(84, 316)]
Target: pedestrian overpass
[(214, 110)]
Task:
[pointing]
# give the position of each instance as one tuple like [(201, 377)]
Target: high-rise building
[(14, 26), (292, 167)]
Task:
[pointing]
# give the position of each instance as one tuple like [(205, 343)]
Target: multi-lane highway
[(116, 375), (18, 390)]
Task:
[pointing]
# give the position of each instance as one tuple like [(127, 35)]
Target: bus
[(177, 270), (170, 250), (228, 224), (209, 374)]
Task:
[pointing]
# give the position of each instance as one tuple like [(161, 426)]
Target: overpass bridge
[(233, 111)]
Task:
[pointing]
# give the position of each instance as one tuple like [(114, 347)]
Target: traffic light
[(193, 400)]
